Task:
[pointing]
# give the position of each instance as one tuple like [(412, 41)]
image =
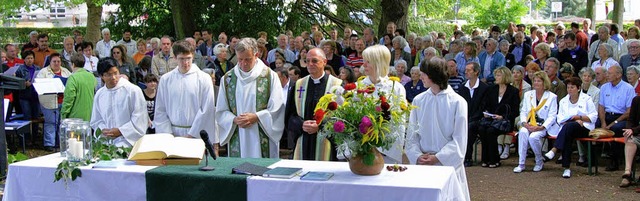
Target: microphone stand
[(206, 166)]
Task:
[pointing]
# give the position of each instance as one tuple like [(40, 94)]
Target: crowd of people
[(560, 82)]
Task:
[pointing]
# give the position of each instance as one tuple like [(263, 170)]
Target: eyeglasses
[(116, 52), (634, 47), (314, 60)]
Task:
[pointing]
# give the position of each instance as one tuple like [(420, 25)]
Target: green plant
[(12, 158), (101, 150)]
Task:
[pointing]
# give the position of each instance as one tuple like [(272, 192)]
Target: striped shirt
[(354, 60)]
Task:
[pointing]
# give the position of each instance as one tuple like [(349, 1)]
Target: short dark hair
[(27, 53), (43, 35), (401, 32), (295, 70), (127, 30), (150, 77), (573, 81), (55, 54), (182, 47), (145, 63), (570, 35), (86, 44), (521, 25), (351, 77), (496, 29), (105, 64), (77, 60), (575, 25), (436, 69), (354, 35), (614, 28)]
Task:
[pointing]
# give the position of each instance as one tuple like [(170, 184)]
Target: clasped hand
[(310, 126), (111, 132), (427, 159), (245, 120), (531, 128)]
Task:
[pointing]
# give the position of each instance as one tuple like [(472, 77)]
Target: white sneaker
[(538, 167), (500, 148), (518, 169), (549, 156), (504, 155), (566, 174)]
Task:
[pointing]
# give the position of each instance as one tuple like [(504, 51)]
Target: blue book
[(282, 172), (317, 176)]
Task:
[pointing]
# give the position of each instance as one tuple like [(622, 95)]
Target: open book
[(162, 149)]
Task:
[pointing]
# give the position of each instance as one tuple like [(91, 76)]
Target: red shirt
[(60, 96), (582, 40), (13, 62)]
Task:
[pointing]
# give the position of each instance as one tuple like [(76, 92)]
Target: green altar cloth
[(186, 182)]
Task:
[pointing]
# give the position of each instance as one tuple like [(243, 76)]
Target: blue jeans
[(51, 116), (30, 108)]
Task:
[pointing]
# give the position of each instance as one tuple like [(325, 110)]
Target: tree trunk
[(394, 11), (183, 21), (591, 13), (94, 22), (618, 10)]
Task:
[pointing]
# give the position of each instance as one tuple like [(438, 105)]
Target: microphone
[(205, 138), (209, 150)]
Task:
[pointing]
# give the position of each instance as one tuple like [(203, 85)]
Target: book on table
[(317, 176), (282, 172), (165, 149), (249, 169)]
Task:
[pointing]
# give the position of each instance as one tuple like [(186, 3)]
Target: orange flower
[(318, 116)]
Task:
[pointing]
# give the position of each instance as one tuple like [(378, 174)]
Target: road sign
[(556, 6)]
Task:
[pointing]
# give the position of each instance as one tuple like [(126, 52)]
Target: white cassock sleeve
[(161, 117), (97, 122), (205, 116), (135, 128), (452, 154), (413, 138)]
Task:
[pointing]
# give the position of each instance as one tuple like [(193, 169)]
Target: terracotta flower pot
[(357, 165)]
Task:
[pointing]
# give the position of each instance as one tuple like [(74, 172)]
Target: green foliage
[(20, 36), (498, 12), (101, 150), (243, 19), (12, 158)]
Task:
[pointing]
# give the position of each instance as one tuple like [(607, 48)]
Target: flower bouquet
[(360, 121)]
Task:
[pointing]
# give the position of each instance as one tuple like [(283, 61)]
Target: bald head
[(190, 41)]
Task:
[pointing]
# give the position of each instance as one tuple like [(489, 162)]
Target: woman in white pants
[(537, 118)]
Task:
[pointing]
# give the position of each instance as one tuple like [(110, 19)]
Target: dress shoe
[(468, 163), (566, 174), (49, 149)]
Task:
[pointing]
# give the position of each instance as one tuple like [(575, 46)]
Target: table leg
[(589, 155)]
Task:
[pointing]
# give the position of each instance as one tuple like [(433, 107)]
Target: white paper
[(489, 114), (11, 71), (48, 86)]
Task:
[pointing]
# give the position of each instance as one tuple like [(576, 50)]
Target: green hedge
[(548, 27), (20, 36)]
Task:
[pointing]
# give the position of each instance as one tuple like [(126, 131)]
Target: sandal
[(495, 165), (484, 165), (625, 181)]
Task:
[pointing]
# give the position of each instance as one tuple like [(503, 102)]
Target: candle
[(71, 148), (79, 150)]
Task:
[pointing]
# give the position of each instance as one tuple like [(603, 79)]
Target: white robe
[(442, 130), (394, 154), (122, 107), (186, 100), (271, 120)]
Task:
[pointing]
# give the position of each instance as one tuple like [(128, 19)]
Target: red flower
[(385, 106), (318, 116), (349, 86), (332, 106), (360, 91), (370, 90), (383, 99)]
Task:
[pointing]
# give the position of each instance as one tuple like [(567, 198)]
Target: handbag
[(503, 125)]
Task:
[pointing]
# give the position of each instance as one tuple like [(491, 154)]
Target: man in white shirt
[(282, 45), (185, 98), (103, 47), (119, 108)]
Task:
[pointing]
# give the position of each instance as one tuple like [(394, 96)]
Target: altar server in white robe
[(185, 99), (250, 108), (441, 136), (376, 68), (119, 107)]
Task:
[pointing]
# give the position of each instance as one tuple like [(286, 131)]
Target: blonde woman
[(537, 118), (376, 68)]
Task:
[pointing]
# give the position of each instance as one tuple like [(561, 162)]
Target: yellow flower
[(361, 78), (394, 78), (324, 101)]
